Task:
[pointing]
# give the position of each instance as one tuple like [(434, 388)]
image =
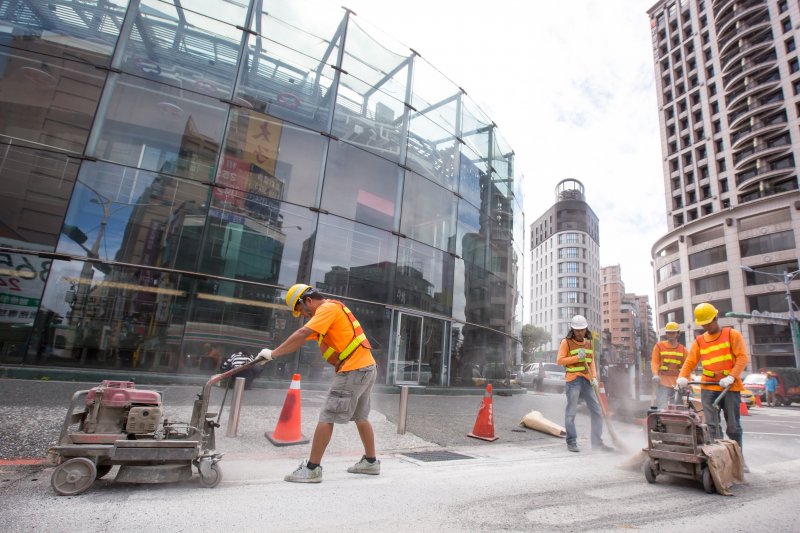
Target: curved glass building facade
[(170, 168)]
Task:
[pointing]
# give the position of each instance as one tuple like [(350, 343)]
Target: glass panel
[(407, 349), (133, 216), (287, 71), (22, 280), (374, 61), (429, 213), (432, 152), (183, 49), (503, 160), (435, 96), (161, 128), (36, 188), (472, 172), (424, 278), (82, 29), (354, 260), (432, 365), (115, 319), (47, 101), (257, 239), (372, 121), (361, 187), (518, 222), (459, 290), (475, 127), (233, 12), (470, 244), (265, 156)]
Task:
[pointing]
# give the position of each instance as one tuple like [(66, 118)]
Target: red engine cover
[(121, 394)]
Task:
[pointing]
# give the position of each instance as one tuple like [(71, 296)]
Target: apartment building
[(728, 88)]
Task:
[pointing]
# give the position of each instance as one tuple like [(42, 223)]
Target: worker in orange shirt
[(666, 362), (343, 344), (575, 354), (722, 355)]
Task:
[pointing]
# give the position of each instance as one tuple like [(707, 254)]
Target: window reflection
[(424, 278), (433, 152), (429, 213), (361, 187), (155, 127), (132, 216), (267, 157), (354, 260), (47, 101)]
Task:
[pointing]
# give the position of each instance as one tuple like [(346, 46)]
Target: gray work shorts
[(348, 398)]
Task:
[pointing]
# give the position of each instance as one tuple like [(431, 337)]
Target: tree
[(532, 338)]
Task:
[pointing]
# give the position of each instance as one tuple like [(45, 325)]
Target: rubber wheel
[(708, 481), (73, 477), (649, 472), (213, 479), (103, 470)]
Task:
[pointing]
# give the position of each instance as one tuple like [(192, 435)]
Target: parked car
[(542, 376), (788, 390)]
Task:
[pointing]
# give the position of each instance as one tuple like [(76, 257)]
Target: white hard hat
[(578, 322)]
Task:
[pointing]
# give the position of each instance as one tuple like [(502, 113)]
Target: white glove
[(656, 379), (682, 383), (264, 356), (594, 382), (727, 381)]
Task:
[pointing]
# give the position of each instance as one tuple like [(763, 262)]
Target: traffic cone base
[(287, 430), (484, 423), (758, 400), (743, 409)]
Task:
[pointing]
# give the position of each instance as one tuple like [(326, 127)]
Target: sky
[(571, 87)]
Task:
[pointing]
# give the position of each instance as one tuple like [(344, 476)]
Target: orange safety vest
[(716, 357), (575, 349), (671, 360), (359, 339)]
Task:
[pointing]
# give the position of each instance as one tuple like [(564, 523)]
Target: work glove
[(581, 356), (727, 381), (594, 382), (264, 357), (682, 383), (656, 379)]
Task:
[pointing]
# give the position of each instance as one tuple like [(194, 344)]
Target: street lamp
[(787, 278)]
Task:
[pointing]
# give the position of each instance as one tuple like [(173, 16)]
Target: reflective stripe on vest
[(671, 361), (587, 360), (716, 357), (330, 354)]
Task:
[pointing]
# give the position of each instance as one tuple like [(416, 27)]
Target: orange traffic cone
[(743, 409), (604, 398), (287, 431), (758, 400), (484, 424)]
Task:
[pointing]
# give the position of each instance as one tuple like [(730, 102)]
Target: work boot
[(573, 447), (365, 467), (602, 448), (304, 475)]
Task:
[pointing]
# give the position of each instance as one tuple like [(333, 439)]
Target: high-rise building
[(565, 265), (170, 168), (728, 88)]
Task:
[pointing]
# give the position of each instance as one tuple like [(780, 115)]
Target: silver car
[(541, 376)]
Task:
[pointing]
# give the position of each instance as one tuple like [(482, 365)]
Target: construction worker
[(666, 362), (722, 355), (344, 345), (576, 355)]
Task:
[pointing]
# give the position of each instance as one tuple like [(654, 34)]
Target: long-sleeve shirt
[(565, 359), (655, 362)]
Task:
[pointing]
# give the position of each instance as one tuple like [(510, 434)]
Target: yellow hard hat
[(294, 293), (704, 313), (672, 326)]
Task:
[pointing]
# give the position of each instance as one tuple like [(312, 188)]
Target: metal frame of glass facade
[(170, 167)]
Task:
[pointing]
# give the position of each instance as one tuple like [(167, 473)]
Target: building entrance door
[(419, 343)]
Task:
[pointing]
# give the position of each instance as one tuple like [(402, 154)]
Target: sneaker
[(602, 448), (304, 475), (573, 447), (365, 467)]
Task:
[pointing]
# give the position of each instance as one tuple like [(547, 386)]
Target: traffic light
[(74, 233)]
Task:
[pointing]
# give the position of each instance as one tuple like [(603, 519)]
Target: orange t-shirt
[(330, 320)]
